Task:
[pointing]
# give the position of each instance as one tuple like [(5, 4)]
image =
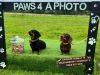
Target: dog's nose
[(64, 38)]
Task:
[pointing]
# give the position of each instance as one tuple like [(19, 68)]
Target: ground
[(50, 27)]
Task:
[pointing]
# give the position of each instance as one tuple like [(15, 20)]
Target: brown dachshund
[(65, 45)]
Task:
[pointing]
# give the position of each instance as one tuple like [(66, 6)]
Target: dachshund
[(35, 43), (65, 45)]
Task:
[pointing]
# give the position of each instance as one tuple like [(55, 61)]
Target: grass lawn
[(50, 27)]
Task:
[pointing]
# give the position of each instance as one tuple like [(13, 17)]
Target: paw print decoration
[(2, 64), (92, 41), (93, 29)]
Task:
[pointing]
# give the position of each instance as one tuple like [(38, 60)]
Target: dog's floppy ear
[(70, 39), (30, 33), (37, 34), (61, 38)]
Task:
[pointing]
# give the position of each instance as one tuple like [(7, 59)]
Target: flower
[(92, 13), (2, 50), (89, 69), (89, 50), (0, 29)]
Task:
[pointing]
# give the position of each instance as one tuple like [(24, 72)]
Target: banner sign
[(31, 6), (93, 7)]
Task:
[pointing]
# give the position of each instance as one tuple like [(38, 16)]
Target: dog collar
[(34, 40), (65, 43)]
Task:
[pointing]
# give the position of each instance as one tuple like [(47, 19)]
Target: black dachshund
[(36, 44)]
